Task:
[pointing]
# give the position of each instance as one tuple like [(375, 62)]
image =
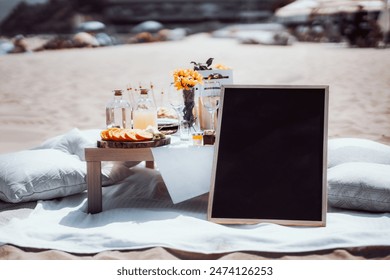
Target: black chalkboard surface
[(270, 156)]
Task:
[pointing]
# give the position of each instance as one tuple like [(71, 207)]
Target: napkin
[(185, 168)]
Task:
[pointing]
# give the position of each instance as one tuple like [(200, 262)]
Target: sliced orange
[(104, 134), (143, 135), (130, 135), (118, 134), (122, 135), (109, 134), (114, 134)]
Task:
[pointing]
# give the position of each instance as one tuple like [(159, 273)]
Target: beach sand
[(47, 93), (44, 94)]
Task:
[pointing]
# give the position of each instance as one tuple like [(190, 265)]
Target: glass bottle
[(145, 113), (118, 111)]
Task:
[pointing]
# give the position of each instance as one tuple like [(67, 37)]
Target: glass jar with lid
[(118, 111), (145, 112)]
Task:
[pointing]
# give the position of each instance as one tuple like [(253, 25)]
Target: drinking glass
[(176, 100), (210, 96)]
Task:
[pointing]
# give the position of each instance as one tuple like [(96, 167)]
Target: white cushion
[(40, 174), (360, 186), (345, 150), (75, 141), (49, 173), (90, 136), (113, 172), (48, 143)]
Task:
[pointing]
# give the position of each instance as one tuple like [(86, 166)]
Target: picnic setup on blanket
[(221, 168)]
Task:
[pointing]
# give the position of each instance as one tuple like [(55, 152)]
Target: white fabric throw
[(186, 169), (138, 213)]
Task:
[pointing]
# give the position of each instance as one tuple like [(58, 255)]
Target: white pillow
[(75, 141), (48, 143), (344, 150), (113, 172), (48, 173), (40, 174), (90, 135), (360, 186)]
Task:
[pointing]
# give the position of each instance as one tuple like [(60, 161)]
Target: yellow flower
[(186, 78)]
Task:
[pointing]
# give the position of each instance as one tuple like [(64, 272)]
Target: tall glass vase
[(190, 120)]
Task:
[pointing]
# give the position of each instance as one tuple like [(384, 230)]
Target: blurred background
[(121, 15), (54, 24)]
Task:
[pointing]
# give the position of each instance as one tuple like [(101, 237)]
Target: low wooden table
[(94, 158)]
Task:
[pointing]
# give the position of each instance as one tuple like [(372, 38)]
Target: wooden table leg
[(94, 186), (149, 164)]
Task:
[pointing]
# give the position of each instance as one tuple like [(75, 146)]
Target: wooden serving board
[(133, 145)]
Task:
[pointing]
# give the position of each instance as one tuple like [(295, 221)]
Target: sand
[(44, 94)]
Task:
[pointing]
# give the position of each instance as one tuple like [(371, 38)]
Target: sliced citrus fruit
[(114, 134), (122, 135), (144, 135), (130, 135), (104, 134)]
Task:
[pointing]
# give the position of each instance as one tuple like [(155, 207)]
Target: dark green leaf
[(196, 65), (209, 61)]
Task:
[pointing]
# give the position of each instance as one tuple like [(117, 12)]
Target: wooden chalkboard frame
[(321, 186)]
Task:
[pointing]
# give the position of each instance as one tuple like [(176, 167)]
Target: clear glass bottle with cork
[(145, 112), (118, 111)]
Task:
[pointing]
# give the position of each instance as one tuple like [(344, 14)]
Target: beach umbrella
[(348, 6), (297, 8), (298, 11), (306, 8)]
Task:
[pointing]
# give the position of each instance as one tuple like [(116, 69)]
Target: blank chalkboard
[(270, 158)]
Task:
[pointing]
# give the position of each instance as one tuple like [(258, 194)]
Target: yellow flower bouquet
[(186, 78)]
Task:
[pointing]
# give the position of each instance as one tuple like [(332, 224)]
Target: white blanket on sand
[(141, 215)]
